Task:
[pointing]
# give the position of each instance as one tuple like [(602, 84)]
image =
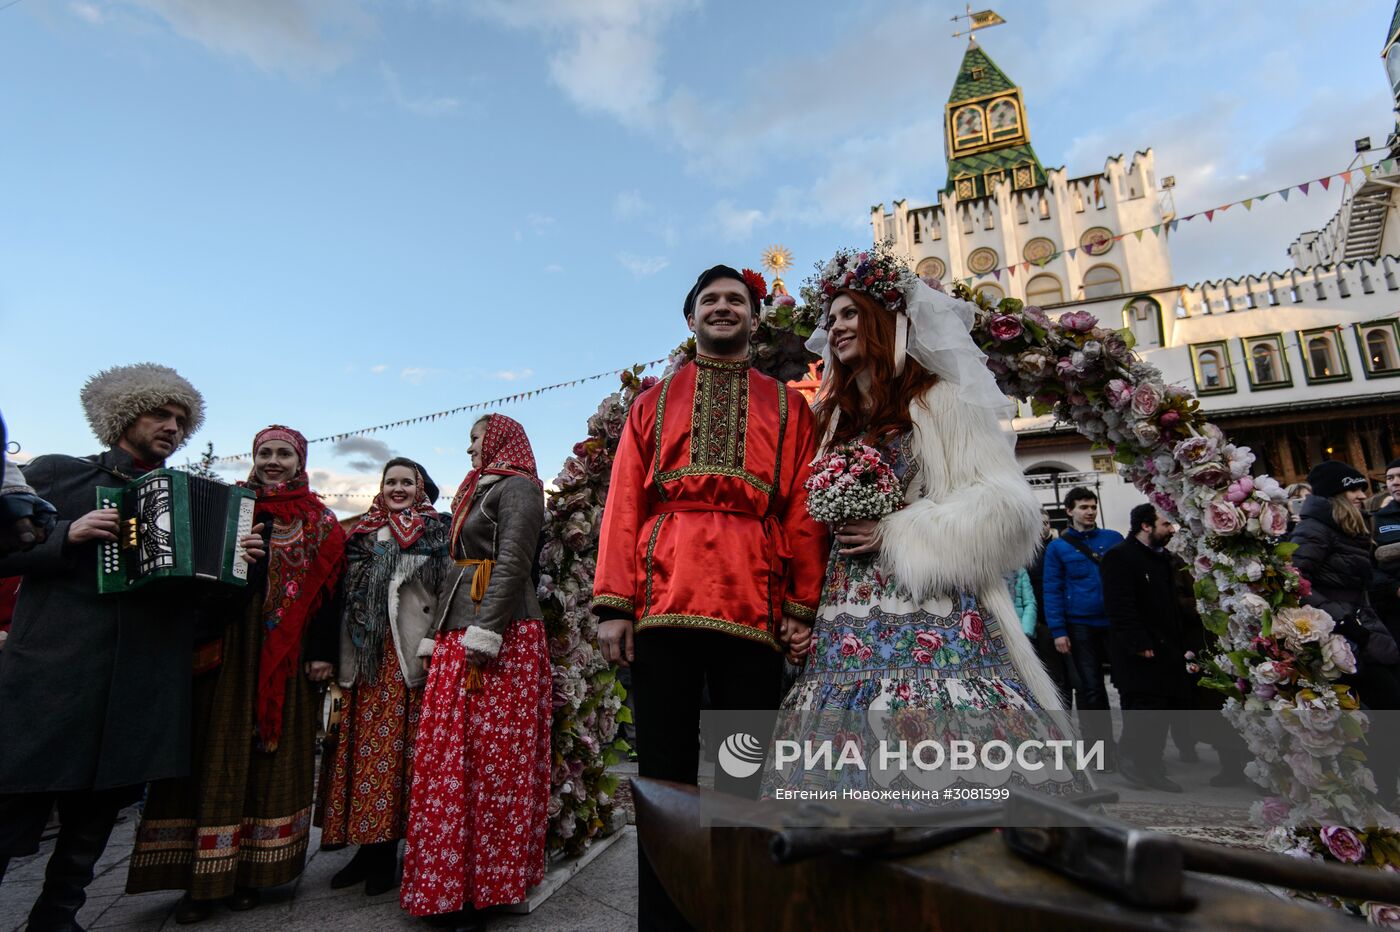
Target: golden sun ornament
[(777, 259)]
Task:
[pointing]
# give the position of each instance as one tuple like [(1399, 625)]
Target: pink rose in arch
[(1147, 398), (1273, 519), (1222, 518), (850, 645), (1004, 327), (972, 626), (1078, 321), (922, 656)]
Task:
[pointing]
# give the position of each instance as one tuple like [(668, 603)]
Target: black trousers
[(1145, 736), (1088, 651), (672, 669)]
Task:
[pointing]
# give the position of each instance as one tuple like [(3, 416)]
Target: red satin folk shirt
[(706, 522)]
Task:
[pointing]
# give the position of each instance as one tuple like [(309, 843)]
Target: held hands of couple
[(615, 638), (795, 635)]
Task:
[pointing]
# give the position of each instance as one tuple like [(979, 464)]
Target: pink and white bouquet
[(851, 482)]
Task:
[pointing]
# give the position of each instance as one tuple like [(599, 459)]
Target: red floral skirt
[(479, 807), (367, 774)]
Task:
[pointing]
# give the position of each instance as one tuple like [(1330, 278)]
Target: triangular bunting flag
[(1188, 218), (1304, 188), (1283, 193), (1387, 165), (1366, 170), (1011, 271), (1174, 225), (1346, 177), (1157, 230), (1326, 183), (1138, 234), (1248, 203), (998, 274), (1222, 208), (1073, 251), (1210, 216), (1261, 198)]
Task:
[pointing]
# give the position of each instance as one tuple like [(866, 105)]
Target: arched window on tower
[(1212, 367), (1143, 316), (1265, 365), (1102, 281), (1324, 359), (1044, 289), (1380, 350)]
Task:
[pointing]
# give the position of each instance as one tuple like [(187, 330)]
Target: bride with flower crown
[(914, 612)]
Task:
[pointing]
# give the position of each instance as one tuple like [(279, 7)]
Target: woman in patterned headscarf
[(394, 562), (242, 820), (479, 808)]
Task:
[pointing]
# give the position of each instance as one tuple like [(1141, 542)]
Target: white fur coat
[(971, 519)]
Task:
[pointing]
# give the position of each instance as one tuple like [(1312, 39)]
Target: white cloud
[(554, 268), (642, 266), (292, 36), (735, 223), (378, 369), (511, 375), (416, 374), (420, 106), (630, 205), (605, 55), (87, 12)]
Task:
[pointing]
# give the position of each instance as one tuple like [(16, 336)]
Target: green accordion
[(174, 526)]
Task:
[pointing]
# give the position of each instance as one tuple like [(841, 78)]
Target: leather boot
[(82, 837), (354, 872), (383, 874)]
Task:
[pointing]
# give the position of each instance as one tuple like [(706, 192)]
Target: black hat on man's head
[(1333, 477), (708, 277)]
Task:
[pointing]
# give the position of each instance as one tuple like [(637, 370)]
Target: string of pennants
[(1170, 226), (450, 412)]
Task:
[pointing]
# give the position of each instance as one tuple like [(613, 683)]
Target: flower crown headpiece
[(877, 271)]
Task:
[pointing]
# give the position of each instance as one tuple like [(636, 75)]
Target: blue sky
[(334, 214)]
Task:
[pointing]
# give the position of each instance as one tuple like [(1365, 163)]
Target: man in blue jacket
[(1074, 609)]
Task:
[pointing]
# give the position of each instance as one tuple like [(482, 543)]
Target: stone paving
[(602, 896)]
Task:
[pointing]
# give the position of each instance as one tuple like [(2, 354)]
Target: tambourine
[(332, 708)]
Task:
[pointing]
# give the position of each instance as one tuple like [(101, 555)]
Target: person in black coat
[(1145, 645), (1063, 674), (1385, 529), (1335, 556), (94, 690)]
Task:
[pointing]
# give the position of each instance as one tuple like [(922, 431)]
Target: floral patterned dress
[(937, 669)]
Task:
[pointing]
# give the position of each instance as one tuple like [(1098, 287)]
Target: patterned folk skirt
[(480, 801), (367, 772), (243, 817)]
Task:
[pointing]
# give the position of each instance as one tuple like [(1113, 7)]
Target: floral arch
[(1271, 655)]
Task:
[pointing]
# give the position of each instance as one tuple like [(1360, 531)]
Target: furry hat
[(115, 397)]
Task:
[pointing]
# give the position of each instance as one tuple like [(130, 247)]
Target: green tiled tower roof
[(989, 80), (979, 79), (1394, 28)]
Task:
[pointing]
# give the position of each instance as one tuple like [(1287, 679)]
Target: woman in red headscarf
[(479, 806), (242, 820), (394, 562)]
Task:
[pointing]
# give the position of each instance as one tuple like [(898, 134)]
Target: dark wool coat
[(94, 690), (1339, 568), (1140, 598)]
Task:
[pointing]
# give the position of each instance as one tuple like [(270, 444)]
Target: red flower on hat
[(756, 283)]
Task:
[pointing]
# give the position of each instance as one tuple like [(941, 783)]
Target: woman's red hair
[(884, 405)]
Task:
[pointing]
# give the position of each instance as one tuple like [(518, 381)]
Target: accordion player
[(174, 525)]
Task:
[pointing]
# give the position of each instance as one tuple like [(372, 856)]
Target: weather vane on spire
[(979, 20)]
